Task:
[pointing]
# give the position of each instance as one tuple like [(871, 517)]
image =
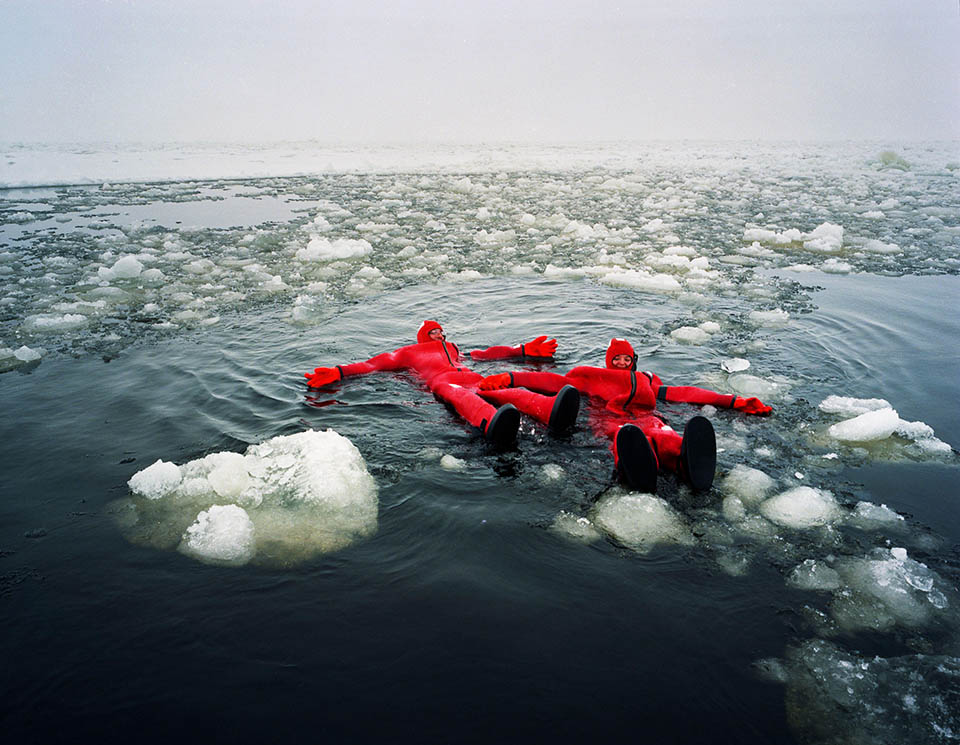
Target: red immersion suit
[(630, 397), (439, 365)]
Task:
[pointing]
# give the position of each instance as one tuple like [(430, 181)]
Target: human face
[(622, 361), (436, 335)]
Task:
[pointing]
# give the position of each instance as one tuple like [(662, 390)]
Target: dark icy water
[(444, 592)]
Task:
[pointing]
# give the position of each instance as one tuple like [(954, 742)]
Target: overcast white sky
[(471, 71)]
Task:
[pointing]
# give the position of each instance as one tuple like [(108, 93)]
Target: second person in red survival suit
[(641, 441), (439, 364)]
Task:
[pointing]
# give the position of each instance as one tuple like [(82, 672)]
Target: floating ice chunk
[(322, 249), (229, 477), (223, 534), (835, 266), (825, 238), (127, 267), (200, 266), (711, 327), (879, 247), (53, 324), (814, 575), (573, 526), (25, 354), (320, 224), (922, 435), (306, 494), (552, 472), (495, 238), (870, 516), (836, 696), (749, 385), (639, 280), (153, 276), (887, 588), (874, 425), (801, 507), (640, 521), (914, 430), (852, 406), (562, 272), (776, 317), (750, 485), (690, 335), (466, 275), (735, 364), (431, 453), (762, 235), (733, 509), (450, 463), (156, 481)]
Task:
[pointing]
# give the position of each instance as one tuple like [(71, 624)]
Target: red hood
[(620, 346), (423, 335)]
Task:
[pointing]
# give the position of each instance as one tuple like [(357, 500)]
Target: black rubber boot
[(636, 462), (565, 408), (501, 431), (698, 453)]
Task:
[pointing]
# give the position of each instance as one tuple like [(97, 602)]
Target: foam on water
[(282, 501)]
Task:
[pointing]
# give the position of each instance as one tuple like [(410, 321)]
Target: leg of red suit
[(466, 403), (530, 403), (665, 441)]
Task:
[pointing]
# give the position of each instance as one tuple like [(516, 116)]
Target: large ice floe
[(875, 421), (281, 502)]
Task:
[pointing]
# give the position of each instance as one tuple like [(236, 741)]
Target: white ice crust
[(874, 420), (224, 534), (156, 481), (302, 494)]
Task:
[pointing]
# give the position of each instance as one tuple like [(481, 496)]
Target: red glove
[(495, 382), (751, 406), (540, 347), (322, 376)]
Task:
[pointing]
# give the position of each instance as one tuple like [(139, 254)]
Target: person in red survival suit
[(440, 365), (642, 443)]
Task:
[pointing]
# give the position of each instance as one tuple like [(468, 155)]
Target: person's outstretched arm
[(688, 394), (540, 348), (322, 376)]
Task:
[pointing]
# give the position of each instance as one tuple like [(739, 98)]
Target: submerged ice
[(834, 695), (282, 501)]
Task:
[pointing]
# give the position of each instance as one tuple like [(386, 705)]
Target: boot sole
[(501, 432), (698, 453), (636, 461), (565, 409)]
